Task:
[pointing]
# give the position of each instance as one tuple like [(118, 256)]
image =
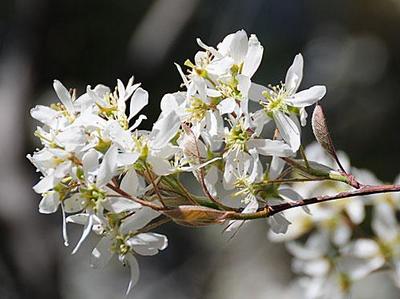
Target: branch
[(364, 190), (343, 177), (268, 211), (138, 200)]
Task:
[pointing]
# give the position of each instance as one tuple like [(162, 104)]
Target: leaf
[(321, 133), (196, 215)]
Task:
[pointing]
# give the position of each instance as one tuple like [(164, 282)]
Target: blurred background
[(353, 47)]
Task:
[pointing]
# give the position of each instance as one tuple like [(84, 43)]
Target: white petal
[(384, 222), (362, 248), (107, 167), (253, 57), (355, 210), (303, 116), (139, 99), (208, 48), (220, 67), (289, 129), (256, 92), (226, 106), (45, 184), (257, 171), (64, 96), (134, 270), (81, 218), (258, 120), (268, 147), (138, 220), (244, 85), (164, 129), (363, 268), (315, 267), (341, 234), (49, 203), (278, 223), (44, 114), (90, 162), (137, 122), (294, 74), (120, 205), (276, 167), (239, 46), (86, 231), (127, 159), (211, 179), (148, 244), (307, 97), (74, 203), (130, 182), (172, 101), (71, 138), (102, 253), (160, 166)]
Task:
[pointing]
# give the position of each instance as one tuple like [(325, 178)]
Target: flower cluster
[(121, 183)]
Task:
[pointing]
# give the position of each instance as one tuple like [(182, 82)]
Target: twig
[(202, 176), (155, 224), (155, 186), (364, 190), (138, 200), (272, 210)]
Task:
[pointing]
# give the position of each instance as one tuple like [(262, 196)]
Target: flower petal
[(307, 97), (268, 147), (64, 96), (44, 114), (49, 203), (134, 270), (294, 74), (239, 46), (160, 166), (120, 205), (74, 203), (108, 167), (102, 253), (138, 220), (253, 57), (256, 92), (289, 129), (164, 129), (226, 106), (278, 223), (86, 231), (139, 99), (148, 244)]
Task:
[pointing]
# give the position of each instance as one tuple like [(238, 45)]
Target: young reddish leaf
[(196, 215), (321, 133)]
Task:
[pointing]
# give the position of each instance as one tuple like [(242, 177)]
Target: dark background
[(350, 46)]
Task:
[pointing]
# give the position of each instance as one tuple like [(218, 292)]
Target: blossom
[(121, 182), (283, 102)]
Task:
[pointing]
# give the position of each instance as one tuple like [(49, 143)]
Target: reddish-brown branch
[(138, 200), (364, 190)]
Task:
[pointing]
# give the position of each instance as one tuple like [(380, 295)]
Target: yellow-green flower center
[(197, 109), (237, 138)]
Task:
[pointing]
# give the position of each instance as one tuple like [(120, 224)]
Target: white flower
[(127, 241), (281, 102)]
